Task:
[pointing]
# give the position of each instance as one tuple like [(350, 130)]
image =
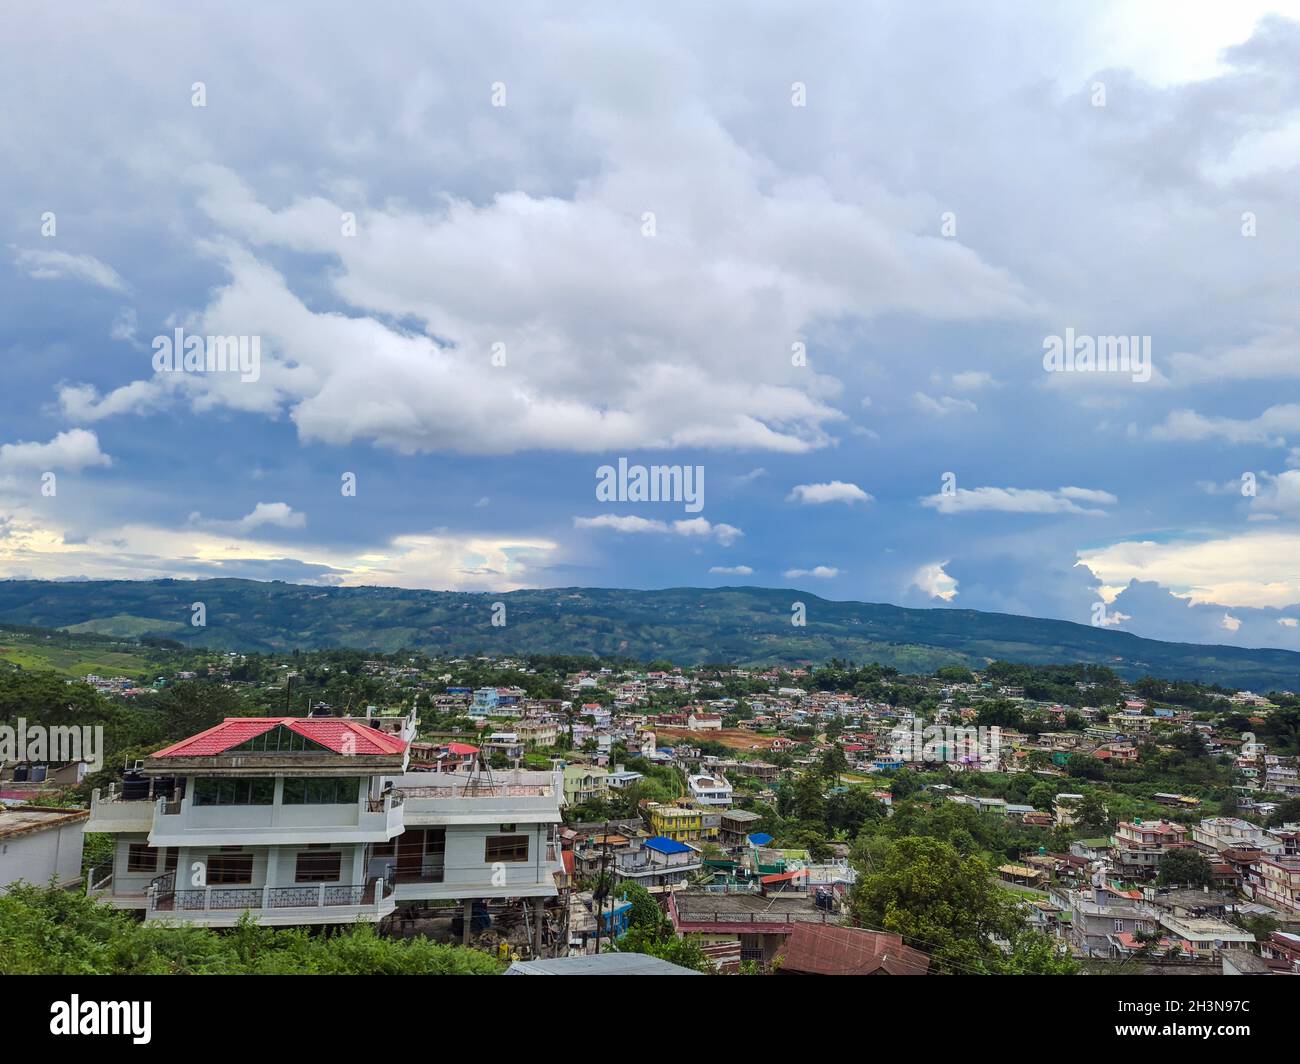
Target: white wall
[(37, 856)]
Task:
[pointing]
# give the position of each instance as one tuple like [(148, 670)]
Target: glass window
[(326, 791), (227, 868), (141, 858), (509, 848), (317, 867), (234, 791)]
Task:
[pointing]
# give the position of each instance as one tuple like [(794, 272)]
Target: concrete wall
[(37, 856)]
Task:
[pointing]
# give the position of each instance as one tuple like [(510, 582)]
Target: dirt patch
[(731, 738)]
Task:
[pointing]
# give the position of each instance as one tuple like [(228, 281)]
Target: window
[(226, 868), (327, 791), (511, 848), (234, 791), (141, 858), (317, 867), (278, 740)]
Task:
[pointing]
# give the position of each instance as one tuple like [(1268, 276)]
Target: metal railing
[(163, 898)]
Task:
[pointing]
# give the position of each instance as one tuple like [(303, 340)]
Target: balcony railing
[(162, 898)]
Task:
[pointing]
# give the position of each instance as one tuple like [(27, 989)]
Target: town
[(552, 814)]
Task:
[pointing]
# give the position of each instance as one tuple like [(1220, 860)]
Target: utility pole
[(601, 885)]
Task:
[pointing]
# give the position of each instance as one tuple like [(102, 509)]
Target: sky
[(815, 256)]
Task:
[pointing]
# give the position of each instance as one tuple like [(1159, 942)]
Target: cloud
[(1271, 427), (820, 572), (944, 405), (834, 491), (1018, 500), (732, 570), (936, 583), (44, 265), (691, 527), (1256, 568), (70, 452)]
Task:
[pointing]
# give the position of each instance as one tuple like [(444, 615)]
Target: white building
[(38, 845), (710, 790), (316, 821)]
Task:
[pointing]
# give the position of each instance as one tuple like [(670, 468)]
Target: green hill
[(685, 625)]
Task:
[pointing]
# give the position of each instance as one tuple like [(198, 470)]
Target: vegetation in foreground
[(46, 931)]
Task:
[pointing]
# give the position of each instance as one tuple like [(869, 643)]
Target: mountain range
[(743, 625)]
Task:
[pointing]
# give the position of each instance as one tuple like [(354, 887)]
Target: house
[(621, 779), (1275, 880), (312, 821), (758, 924), (736, 825), (1206, 936), (583, 783), (1216, 834), (1138, 846), (826, 949), (658, 864), (39, 845), (677, 823), (710, 790), (1103, 911)]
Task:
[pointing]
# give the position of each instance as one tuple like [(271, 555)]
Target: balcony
[(316, 903)]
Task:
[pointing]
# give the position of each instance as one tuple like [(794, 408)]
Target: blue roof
[(661, 844), (760, 838)]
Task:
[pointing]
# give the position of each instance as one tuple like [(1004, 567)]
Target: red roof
[(461, 749), (825, 949), (334, 733)]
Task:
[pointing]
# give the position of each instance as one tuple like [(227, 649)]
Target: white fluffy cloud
[(693, 526), (834, 491), (935, 582), (1019, 500), (818, 572), (47, 265), (70, 451)]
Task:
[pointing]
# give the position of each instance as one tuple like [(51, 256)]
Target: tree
[(1184, 868)]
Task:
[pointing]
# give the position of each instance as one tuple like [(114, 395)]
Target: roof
[(825, 949), (461, 748), (330, 732), (760, 838), (24, 820), (661, 844), (600, 964)]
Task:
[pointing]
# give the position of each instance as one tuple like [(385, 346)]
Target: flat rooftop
[(23, 820), (709, 906)]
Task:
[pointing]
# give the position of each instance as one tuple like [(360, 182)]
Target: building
[(736, 826), (753, 925), (1216, 834), (658, 864), (621, 779), (1138, 846), (39, 845), (1102, 912), (585, 783), (307, 821), (1275, 880), (677, 823), (825, 949), (710, 790)]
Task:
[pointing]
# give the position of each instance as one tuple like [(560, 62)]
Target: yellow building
[(681, 824)]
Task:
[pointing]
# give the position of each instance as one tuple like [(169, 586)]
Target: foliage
[(46, 931)]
